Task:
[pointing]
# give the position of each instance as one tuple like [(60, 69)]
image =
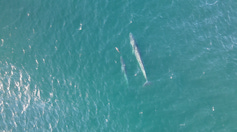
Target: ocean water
[(60, 71)]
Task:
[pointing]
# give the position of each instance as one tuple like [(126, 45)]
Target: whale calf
[(138, 57), (123, 68)]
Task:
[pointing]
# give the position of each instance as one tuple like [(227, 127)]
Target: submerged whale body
[(123, 68)]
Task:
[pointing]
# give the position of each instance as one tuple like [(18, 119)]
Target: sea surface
[(60, 70)]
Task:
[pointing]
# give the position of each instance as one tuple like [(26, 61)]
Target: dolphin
[(123, 68), (138, 57)]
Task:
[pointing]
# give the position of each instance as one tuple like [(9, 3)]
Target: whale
[(138, 57), (123, 68)]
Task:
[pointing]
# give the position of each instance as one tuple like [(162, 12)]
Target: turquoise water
[(60, 71)]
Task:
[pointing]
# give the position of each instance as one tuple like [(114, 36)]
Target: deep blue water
[(60, 71)]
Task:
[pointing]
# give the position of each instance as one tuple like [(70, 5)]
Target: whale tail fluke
[(146, 83)]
